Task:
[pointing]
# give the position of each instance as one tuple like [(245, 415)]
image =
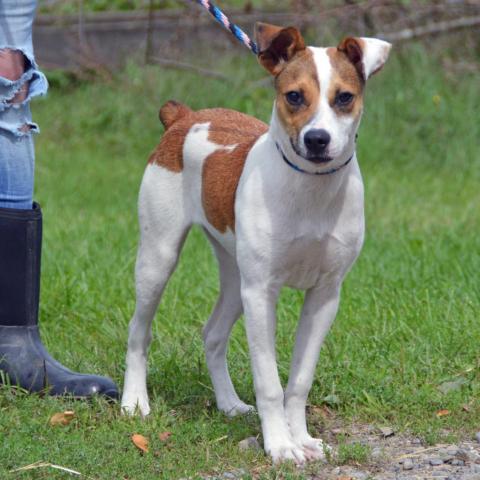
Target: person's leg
[(23, 359)]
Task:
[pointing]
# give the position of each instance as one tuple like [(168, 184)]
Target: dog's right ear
[(277, 45)]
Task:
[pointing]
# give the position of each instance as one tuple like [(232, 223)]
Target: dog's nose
[(316, 140)]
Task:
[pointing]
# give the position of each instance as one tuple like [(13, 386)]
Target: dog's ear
[(277, 45), (368, 55)]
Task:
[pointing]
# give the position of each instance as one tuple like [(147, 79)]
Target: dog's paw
[(286, 451), (238, 408), (314, 449), (135, 405)]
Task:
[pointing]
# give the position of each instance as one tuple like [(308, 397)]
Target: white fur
[(375, 54), (291, 228)]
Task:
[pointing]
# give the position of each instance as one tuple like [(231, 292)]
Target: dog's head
[(319, 98)]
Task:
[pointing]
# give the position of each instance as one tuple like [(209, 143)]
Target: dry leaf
[(466, 408), (140, 442), (443, 413), (164, 436), (62, 418)]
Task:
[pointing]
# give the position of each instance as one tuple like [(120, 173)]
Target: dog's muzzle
[(314, 157)]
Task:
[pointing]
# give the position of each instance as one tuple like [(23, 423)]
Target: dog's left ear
[(368, 55), (277, 45)]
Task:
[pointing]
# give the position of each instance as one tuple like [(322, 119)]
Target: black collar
[(298, 169)]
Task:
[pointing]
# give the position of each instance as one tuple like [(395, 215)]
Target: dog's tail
[(172, 111)]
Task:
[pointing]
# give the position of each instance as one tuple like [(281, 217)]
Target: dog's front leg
[(319, 310), (259, 302)]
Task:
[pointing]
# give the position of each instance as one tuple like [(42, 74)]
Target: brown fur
[(353, 49), (300, 74), (228, 127), (277, 45), (169, 152), (222, 169), (172, 111), (225, 126), (220, 177), (346, 78)]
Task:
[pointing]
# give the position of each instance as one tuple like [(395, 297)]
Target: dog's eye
[(344, 98), (294, 98)]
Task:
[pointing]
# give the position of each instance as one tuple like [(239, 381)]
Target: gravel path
[(375, 453), (402, 458), (391, 457)]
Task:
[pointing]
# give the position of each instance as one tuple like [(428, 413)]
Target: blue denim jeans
[(17, 156)]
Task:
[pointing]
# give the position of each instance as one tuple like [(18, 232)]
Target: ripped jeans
[(20, 81)]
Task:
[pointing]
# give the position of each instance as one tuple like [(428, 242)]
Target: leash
[(221, 18), (301, 170)]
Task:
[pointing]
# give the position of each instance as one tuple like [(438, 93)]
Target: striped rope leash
[(235, 29)]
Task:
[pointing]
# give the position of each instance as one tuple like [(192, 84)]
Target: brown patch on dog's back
[(300, 74), (222, 169), (345, 78), (227, 127), (220, 177)]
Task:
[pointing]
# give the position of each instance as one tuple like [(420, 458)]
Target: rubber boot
[(23, 358)]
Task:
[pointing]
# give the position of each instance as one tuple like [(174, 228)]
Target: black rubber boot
[(23, 358)]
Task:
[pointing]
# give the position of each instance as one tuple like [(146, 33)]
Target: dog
[(282, 205)]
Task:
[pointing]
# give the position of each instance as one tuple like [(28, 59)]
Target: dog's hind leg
[(163, 229), (217, 331)]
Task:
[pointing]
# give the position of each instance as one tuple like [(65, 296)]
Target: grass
[(408, 321), (356, 453)]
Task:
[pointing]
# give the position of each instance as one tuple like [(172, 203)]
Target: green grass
[(408, 320), (355, 453)]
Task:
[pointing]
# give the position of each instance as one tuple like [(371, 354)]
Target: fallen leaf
[(62, 418), (466, 408), (443, 413), (164, 436), (140, 442), (345, 478)]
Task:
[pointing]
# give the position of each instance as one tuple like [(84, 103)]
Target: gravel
[(249, 443), (386, 432), (391, 457)]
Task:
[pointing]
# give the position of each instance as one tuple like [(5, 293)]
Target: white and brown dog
[(280, 204)]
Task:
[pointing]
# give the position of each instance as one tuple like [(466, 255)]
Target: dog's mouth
[(318, 159)]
